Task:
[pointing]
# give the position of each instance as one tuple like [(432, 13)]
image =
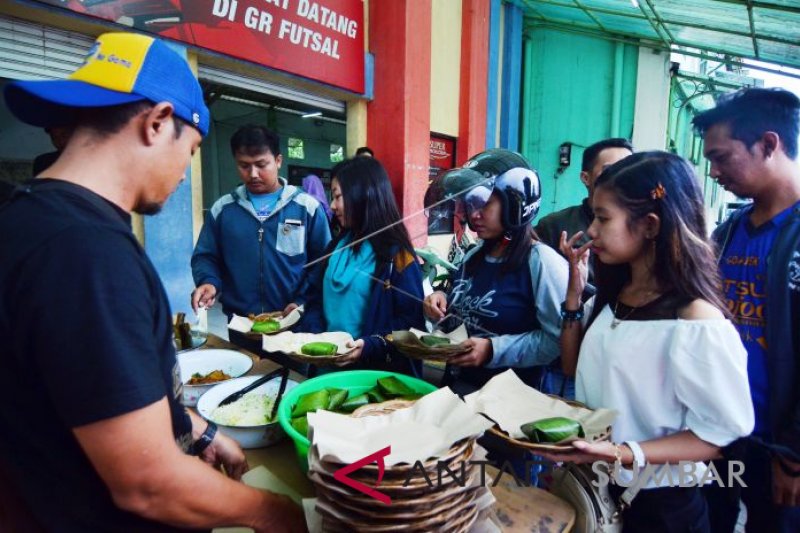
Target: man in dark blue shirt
[(751, 142)]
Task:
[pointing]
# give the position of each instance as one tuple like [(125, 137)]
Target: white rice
[(250, 410)]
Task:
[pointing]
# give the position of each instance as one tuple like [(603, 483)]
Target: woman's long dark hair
[(370, 207), (664, 184)]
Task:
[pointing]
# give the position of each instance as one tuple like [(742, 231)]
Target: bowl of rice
[(246, 420)]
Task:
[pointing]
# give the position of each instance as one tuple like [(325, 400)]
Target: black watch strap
[(205, 439)]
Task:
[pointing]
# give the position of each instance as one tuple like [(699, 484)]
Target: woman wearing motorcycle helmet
[(508, 289)]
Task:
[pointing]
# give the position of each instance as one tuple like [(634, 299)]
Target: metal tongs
[(283, 372)]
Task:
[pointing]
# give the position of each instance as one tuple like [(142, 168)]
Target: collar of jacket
[(289, 192)]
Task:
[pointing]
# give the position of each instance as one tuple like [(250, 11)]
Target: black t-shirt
[(86, 332)]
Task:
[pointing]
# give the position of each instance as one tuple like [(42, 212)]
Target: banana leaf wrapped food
[(311, 402), (435, 340), (343, 401), (336, 398), (351, 404), (375, 395), (266, 326), (552, 430), (426, 346), (392, 387), (319, 348), (301, 425)]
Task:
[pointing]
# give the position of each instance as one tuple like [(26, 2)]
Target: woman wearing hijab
[(313, 186)]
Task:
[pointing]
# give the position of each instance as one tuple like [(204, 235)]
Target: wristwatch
[(204, 440)]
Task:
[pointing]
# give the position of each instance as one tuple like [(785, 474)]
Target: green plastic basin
[(355, 381)]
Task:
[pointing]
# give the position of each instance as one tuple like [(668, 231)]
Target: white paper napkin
[(243, 324), (456, 336), (427, 429), (511, 403), (291, 342)]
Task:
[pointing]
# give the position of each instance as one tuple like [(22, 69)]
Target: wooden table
[(518, 509)]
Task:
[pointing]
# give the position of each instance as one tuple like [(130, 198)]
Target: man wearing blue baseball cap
[(94, 435)]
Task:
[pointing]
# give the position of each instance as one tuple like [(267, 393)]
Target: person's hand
[(590, 452), (282, 516), (203, 296), (578, 259), (435, 306), (289, 308), (479, 354), (226, 452), (785, 488), (354, 355)]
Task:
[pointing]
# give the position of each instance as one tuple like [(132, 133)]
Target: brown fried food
[(212, 377)]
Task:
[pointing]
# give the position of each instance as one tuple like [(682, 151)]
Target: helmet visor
[(475, 199), (459, 181)]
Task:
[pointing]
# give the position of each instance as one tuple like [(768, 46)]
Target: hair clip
[(659, 192)]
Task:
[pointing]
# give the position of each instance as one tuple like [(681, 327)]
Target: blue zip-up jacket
[(782, 329), (395, 304), (256, 266)]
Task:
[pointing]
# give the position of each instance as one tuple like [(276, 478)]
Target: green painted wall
[(219, 170), (684, 142), (569, 97)]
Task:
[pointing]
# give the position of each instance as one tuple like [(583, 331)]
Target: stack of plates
[(420, 503)]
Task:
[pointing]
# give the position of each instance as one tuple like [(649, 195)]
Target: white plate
[(231, 362)]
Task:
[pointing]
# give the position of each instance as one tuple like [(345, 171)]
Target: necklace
[(617, 321)]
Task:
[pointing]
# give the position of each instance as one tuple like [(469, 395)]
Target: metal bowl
[(247, 436)]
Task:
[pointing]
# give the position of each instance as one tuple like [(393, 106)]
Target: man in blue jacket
[(751, 141), (258, 239)]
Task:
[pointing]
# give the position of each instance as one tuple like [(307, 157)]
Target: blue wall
[(512, 70), (493, 74), (168, 239)]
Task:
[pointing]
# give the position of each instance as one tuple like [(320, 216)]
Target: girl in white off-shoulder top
[(655, 344)]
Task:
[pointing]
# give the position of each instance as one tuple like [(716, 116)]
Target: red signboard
[(442, 154), (322, 40)]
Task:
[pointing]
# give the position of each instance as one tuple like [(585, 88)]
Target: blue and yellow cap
[(120, 68)]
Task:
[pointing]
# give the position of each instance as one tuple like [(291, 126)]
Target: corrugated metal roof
[(766, 30)]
